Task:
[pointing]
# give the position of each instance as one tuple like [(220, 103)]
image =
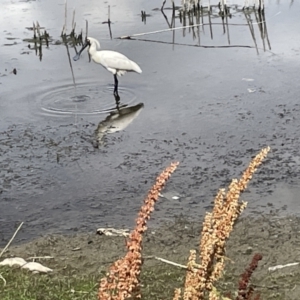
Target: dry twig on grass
[(12, 238)]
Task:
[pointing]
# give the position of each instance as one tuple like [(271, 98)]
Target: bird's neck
[(92, 49)]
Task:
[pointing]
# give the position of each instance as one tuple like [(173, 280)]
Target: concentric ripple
[(83, 99)]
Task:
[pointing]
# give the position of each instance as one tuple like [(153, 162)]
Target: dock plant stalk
[(123, 279)]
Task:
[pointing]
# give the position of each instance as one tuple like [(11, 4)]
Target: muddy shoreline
[(275, 238)]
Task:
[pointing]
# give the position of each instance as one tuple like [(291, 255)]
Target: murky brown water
[(211, 109)]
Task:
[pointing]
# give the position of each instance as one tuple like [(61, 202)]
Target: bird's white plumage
[(113, 61)]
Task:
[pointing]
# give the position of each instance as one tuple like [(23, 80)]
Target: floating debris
[(113, 232)]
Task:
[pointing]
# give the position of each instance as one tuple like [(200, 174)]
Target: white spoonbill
[(113, 61)]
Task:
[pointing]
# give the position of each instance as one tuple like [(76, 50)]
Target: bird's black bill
[(77, 56)]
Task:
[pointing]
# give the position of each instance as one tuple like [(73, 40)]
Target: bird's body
[(114, 62)]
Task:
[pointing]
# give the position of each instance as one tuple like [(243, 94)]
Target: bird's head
[(89, 41)]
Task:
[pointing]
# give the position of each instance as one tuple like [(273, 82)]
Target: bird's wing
[(118, 61)]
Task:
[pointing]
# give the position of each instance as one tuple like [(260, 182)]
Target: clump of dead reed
[(204, 270)]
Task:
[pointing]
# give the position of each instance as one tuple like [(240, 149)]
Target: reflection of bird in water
[(113, 61), (117, 120)]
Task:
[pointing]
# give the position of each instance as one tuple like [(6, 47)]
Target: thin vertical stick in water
[(46, 38), (173, 26), (249, 21), (209, 21), (227, 26), (108, 22), (260, 5), (10, 241), (265, 28), (86, 36), (34, 29), (191, 23), (38, 29), (40, 50), (73, 21), (173, 5), (70, 63), (86, 29), (202, 18), (259, 22), (199, 11), (221, 7), (184, 22), (66, 10)]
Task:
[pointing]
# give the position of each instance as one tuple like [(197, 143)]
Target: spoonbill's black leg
[(117, 99), (116, 85)]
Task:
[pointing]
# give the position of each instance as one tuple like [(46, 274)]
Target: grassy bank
[(76, 274)]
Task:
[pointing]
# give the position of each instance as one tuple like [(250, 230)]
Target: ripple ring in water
[(84, 99)]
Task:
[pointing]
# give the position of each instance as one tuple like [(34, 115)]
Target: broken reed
[(39, 39), (71, 38), (123, 279), (195, 8)]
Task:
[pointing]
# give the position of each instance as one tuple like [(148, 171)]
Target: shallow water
[(212, 109)]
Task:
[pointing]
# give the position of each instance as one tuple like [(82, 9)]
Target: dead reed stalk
[(123, 280)]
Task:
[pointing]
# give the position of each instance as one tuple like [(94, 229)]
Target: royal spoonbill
[(113, 61)]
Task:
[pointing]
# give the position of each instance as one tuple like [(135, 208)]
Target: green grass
[(23, 285), (158, 282)]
